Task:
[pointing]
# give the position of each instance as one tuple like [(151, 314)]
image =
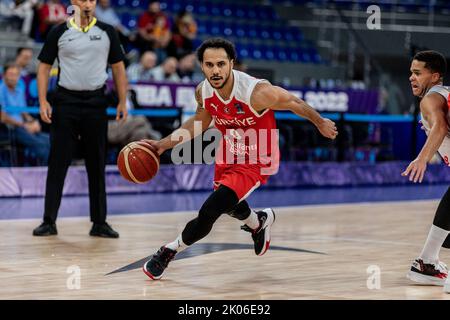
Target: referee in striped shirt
[(83, 47)]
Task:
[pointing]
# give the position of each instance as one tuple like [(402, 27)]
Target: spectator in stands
[(184, 32), (142, 71), (187, 70), (106, 13), (50, 14), (23, 60), (34, 32), (153, 31), (167, 71), (22, 9), (26, 129), (24, 56)]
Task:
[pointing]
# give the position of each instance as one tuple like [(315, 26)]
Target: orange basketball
[(138, 162)]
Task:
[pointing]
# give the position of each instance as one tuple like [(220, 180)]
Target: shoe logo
[(205, 248), (263, 220)]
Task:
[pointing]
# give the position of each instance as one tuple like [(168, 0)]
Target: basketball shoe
[(261, 235), (447, 286), (155, 267), (428, 273)]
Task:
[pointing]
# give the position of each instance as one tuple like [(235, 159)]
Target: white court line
[(280, 208)]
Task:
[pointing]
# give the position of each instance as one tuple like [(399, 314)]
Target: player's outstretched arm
[(267, 96), (187, 130), (432, 109)]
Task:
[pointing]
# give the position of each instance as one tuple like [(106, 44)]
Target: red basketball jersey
[(248, 137)]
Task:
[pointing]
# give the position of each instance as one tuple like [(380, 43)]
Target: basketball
[(138, 162)]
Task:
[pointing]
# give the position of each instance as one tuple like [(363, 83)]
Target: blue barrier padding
[(150, 113), (278, 115), (378, 118), (286, 115), (292, 116), (110, 111), (33, 110)]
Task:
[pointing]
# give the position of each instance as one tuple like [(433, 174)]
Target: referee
[(84, 47)]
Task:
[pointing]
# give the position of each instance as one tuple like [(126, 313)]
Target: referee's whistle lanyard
[(85, 29)]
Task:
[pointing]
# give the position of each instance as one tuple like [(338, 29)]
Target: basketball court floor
[(334, 243)]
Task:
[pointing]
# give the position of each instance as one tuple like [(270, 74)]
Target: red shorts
[(241, 178)]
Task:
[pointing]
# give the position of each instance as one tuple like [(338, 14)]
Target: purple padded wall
[(27, 182)]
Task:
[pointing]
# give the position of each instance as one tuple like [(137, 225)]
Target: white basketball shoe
[(434, 274)]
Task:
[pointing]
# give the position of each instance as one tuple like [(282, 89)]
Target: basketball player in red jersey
[(239, 105)]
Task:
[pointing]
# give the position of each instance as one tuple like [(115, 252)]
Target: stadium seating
[(249, 26), (408, 6)]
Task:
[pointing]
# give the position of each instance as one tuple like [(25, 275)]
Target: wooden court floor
[(317, 252)]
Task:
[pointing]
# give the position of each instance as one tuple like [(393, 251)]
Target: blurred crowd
[(160, 48)]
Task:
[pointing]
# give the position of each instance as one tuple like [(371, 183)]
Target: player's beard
[(224, 83)]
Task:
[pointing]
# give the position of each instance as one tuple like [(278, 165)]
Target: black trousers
[(77, 117)]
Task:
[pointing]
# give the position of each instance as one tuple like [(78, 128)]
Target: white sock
[(252, 221), (430, 251), (178, 245)]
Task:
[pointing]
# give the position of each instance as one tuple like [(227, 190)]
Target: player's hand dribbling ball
[(138, 162)]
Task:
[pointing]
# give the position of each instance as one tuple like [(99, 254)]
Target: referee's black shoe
[(45, 229), (103, 230)]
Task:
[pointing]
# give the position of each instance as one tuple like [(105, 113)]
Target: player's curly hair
[(217, 43), (434, 61)]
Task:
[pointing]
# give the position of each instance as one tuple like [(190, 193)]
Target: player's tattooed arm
[(267, 96), (201, 114), (198, 98)]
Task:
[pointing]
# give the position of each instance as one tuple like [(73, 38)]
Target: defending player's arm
[(186, 131), (267, 96), (432, 109)]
